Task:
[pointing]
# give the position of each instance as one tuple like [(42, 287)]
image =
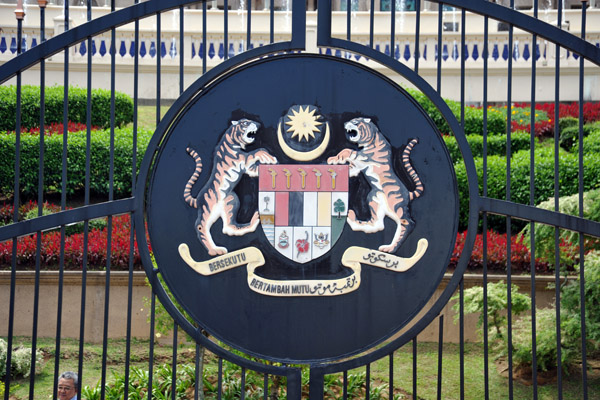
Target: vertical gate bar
[(42, 7), (181, 85), (486, 372), (462, 66), (174, 363), (110, 198), (581, 189), (158, 66), (249, 26), (155, 275), (298, 39), (151, 349), (556, 205), (461, 315), (13, 275), (414, 366), (272, 21), (508, 196), (294, 385), (181, 50), (391, 375), (136, 37), (348, 20), (86, 202), (532, 203), (368, 382), (440, 352), (266, 387), (226, 28), (316, 384), (462, 282), (63, 196), (204, 40), (417, 34), (345, 383), (220, 379), (393, 28), (439, 49), (371, 23), (199, 378), (243, 384)]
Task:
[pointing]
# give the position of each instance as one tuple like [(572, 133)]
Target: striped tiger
[(388, 197), (217, 198)]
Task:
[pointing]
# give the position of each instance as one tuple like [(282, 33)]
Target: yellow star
[(303, 123)]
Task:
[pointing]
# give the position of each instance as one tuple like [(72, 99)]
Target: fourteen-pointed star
[(303, 123)]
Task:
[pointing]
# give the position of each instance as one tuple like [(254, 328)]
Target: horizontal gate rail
[(536, 214), (67, 217)]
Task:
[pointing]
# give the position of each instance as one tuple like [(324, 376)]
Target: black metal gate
[(193, 58)]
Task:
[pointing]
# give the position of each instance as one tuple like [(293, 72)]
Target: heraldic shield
[(303, 207)]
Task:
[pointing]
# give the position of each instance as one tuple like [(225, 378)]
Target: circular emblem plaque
[(302, 208)]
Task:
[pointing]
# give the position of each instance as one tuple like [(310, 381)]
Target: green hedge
[(54, 100), (496, 120), (570, 134), (496, 145), (76, 153), (591, 143), (544, 179)]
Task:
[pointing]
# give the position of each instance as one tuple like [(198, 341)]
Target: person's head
[(67, 385)]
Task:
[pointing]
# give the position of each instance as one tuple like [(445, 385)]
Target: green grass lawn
[(427, 373), (147, 116)]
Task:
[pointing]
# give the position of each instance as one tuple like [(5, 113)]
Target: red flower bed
[(591, 113), (59, 128), (520, 257), (542, 129), (97, 249)]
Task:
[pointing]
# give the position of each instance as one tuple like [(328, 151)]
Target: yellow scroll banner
[(355, 255), (249, 255), (353, 258)]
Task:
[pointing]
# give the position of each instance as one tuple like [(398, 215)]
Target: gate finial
[(42, 3), (19, 11)]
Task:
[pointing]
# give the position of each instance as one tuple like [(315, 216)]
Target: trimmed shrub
[(567, 122), (76, 152), (520, 168), (571, 308), (497, 303), (54, 101), (496, 145), (496, 120), (545, 341), (20, 362), (569, 246), (591, 138)]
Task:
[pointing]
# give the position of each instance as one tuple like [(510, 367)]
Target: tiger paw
[(387, 248), (217, 251), (341, 158), (351, 216), (266, 158)]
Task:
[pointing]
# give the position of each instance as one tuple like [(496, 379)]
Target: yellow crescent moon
[(300, 155)]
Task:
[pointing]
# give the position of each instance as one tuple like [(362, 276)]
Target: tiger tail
[(410, 170), (187, 192)]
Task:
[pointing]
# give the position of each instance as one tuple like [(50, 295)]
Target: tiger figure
[(217, 198), (388, 197)]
